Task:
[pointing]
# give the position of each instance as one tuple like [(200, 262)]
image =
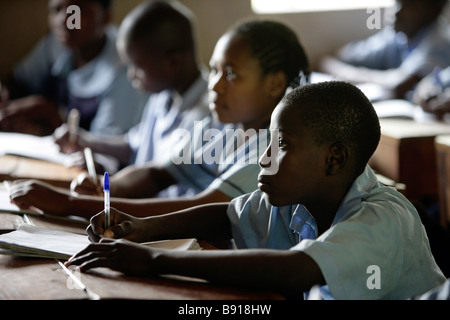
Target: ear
[(174, 59), (337, 158), (277, 84), (107, 17)]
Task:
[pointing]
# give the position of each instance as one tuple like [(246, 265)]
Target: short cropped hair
[(160, 25), (338, 111)]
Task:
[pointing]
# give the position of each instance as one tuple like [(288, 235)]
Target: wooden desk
[(442, 144), (44, 279), (16, 167), (39, 279), (406, 154)]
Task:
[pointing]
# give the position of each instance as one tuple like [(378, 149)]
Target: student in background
[(321, 219), (252, 66), (433, 92), (401, 54), (157, 41), (78, 68)]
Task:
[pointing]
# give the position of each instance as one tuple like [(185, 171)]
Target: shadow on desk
[(40, 279)]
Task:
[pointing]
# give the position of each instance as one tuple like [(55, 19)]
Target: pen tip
[(106, 182)]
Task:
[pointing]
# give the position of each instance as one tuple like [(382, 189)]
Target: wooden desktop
[(44, 279)]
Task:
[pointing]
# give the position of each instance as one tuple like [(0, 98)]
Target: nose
[(215, 82), (264, 160)]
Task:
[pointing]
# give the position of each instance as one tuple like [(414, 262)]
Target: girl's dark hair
[(277, 48)]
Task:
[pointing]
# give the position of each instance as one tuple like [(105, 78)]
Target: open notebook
[(31, 241)]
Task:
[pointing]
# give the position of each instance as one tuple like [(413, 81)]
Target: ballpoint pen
[(88, 156), (73, 121), (107, 199)]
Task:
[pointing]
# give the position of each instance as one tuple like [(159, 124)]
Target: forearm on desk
[(206, 222), (87, 206), (285, 271), (157, 206), (140, 181), (117, 147), (394, 80)]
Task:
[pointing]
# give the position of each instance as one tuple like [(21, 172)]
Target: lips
[(217, 104), (263, 183)]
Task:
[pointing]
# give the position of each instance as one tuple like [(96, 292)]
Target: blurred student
[(252, 66), (399, 55), (321, 219), (433, 92), (72, 68), (157, 41)]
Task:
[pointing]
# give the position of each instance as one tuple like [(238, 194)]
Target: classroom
[(149, 150)]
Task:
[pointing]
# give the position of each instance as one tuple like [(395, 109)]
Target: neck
[(257, 124), (190, 75), (325, 208), (89, 52)]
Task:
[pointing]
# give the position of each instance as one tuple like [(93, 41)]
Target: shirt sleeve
[(378, 51), (238, 180), (378, 253), (120, 108), (33, 71)]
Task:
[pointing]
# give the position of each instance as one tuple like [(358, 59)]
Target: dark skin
[(36, 114), (411, 16), (240, 94), (149, 71), (299, 160)]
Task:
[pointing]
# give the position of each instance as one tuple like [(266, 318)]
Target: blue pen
[(107, 199)]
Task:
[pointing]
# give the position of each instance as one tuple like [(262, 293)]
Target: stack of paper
[(31, 241)]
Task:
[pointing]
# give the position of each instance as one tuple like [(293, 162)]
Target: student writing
[(78, 68), (252, 66), (157, 41), (400, 54)]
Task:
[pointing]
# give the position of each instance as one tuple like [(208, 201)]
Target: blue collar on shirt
[(303, 224)]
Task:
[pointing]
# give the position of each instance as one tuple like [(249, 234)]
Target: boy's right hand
[(122, 226)]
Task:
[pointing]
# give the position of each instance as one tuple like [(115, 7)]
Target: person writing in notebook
[(72, 68), (321, 219), (157, 41), (252, 66), (400, 54), (433, 92)]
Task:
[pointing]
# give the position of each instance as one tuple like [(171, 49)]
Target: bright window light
[(287, 6)]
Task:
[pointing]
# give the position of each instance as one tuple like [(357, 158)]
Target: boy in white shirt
[(320, 219)]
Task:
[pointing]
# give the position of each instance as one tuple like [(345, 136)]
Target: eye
[(282, 144), (230, 74)]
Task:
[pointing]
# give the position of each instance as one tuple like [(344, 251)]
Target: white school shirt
[(212, 159), (152, 139), (374, 226), (118, 106), (388, 49)]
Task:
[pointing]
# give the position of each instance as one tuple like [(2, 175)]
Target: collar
[(197, 89), (303, 223)]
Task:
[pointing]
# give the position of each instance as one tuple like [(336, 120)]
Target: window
[(287, 6)]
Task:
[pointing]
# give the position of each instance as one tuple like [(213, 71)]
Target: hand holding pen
[(122, 226), (107, 200)]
